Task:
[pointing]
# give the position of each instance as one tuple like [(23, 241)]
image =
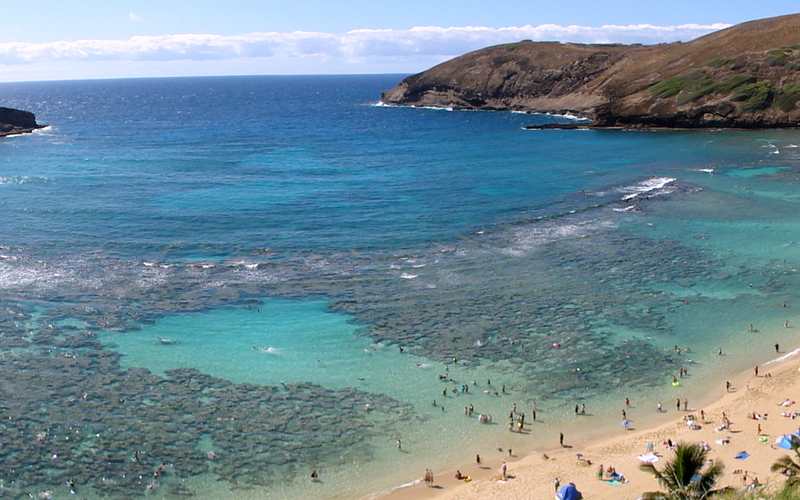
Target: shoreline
[(21, 131), (535, 472)]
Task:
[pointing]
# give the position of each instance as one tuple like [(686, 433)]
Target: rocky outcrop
[(15, 121), (746, 76)]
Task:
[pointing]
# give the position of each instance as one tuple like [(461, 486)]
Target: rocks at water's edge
[(15, 121), (747, 76)]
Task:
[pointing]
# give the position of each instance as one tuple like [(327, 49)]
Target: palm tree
[(789, 466), (684, 477)]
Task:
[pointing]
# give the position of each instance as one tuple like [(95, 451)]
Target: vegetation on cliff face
[(744, 76)]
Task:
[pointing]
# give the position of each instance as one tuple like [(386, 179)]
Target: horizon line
[(173, 77)]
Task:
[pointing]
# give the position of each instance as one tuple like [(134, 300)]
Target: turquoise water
[(277, 271)]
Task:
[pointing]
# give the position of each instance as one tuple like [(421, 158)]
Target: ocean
[(247, 279)]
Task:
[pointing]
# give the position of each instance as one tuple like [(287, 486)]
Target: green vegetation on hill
[(787, 98), (778, 57), (697, 84), (754, 96)]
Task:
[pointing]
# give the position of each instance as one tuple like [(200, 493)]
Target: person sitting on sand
[(459, 475)]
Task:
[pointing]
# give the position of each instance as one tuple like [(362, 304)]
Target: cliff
[(744, 76), (15, 121)]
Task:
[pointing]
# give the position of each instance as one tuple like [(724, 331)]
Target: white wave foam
[(625, 209), (646, 186), (381, 104), (705, 170), (44, 130), (568, 116), (786, 356), (407, 276), (23, 179), (533, 235)]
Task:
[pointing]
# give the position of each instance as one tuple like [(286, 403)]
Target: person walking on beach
[(777, 346), (755, 370), (478, 458), (577, 408), (504, 470), (399, 445), (685, 404), (561, 439), (678, 404), (627, 402), (727, 386), (583, 408), (556, 484), (660, 407)]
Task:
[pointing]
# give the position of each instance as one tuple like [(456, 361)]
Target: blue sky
[(53, 39)]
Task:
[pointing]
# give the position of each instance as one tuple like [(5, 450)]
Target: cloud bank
[(355, 45)]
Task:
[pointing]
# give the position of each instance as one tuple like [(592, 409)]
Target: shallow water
[(278, 272)]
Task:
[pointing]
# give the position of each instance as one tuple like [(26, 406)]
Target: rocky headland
[(15, 121), (746, 76)]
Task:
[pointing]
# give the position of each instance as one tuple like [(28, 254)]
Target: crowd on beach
[(694, 419)]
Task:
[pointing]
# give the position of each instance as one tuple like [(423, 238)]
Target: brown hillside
[(744, 76)]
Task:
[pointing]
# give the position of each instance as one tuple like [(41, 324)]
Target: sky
[(76, 39)]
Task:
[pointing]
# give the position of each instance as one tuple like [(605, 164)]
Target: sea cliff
[(746, 76), (15, 121)]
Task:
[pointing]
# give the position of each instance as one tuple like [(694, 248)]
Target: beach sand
[(533, 476)]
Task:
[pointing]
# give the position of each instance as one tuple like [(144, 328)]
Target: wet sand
[(533, 476)]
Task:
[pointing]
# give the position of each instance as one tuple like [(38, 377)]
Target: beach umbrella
[(784, 442)]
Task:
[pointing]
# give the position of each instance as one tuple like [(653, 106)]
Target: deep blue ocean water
[(282, 230)]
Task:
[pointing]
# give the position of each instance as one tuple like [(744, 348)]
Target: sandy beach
[(533, 476)]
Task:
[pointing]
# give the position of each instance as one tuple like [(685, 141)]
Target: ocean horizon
[(251, 278)]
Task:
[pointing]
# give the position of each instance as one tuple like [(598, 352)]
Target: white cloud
[(134, 17), (355, 45)]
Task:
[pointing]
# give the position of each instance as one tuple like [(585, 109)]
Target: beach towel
[(648, 458), (742, 455)]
